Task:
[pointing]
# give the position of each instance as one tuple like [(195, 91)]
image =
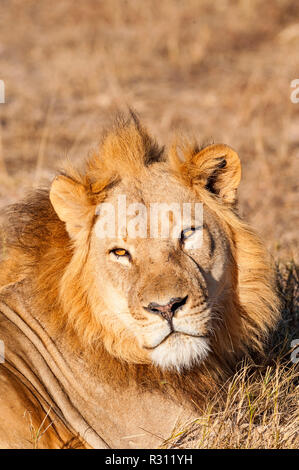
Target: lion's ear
[(218, 169), (71, 203)]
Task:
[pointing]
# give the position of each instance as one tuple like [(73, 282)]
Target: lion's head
[(170, 301)]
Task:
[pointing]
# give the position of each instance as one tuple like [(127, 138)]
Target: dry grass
[(36, 433), (259, 410), (220, 70)]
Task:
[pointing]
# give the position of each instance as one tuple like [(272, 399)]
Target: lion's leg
[(24, 423)]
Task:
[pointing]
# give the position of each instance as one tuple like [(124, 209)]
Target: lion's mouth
[(175, 333)]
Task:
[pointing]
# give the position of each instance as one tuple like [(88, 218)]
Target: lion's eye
[(187, 233), (120, 252)]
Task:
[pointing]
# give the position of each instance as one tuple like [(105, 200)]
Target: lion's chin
[(180, 352)]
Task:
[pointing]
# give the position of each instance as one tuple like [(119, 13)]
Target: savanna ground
[(218, 70)]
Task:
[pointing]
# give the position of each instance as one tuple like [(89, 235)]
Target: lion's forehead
[(152, 186)]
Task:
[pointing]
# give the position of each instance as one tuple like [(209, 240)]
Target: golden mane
[(45, 255)]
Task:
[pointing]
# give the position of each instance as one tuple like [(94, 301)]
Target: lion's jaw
[(180, 352), (182, 345)]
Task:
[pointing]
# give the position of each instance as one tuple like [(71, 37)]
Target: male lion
[(110, 340)]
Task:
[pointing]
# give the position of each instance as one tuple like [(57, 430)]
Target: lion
[(110, 341)]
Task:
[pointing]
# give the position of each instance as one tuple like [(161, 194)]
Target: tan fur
[(59, 258)]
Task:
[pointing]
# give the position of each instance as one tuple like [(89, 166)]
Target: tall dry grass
[(257, 409), (219, 70)]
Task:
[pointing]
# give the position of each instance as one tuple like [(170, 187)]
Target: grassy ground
[(218, 70)]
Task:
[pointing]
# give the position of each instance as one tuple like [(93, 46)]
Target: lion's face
[(160, 292), (163, 300)]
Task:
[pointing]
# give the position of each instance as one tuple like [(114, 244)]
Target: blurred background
[(221, 71)]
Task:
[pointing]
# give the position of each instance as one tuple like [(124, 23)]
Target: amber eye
[(120, 252), (187, 233)]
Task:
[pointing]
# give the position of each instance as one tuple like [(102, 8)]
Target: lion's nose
[(167, 311)]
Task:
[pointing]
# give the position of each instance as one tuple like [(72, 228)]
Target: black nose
[(167, 311)]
